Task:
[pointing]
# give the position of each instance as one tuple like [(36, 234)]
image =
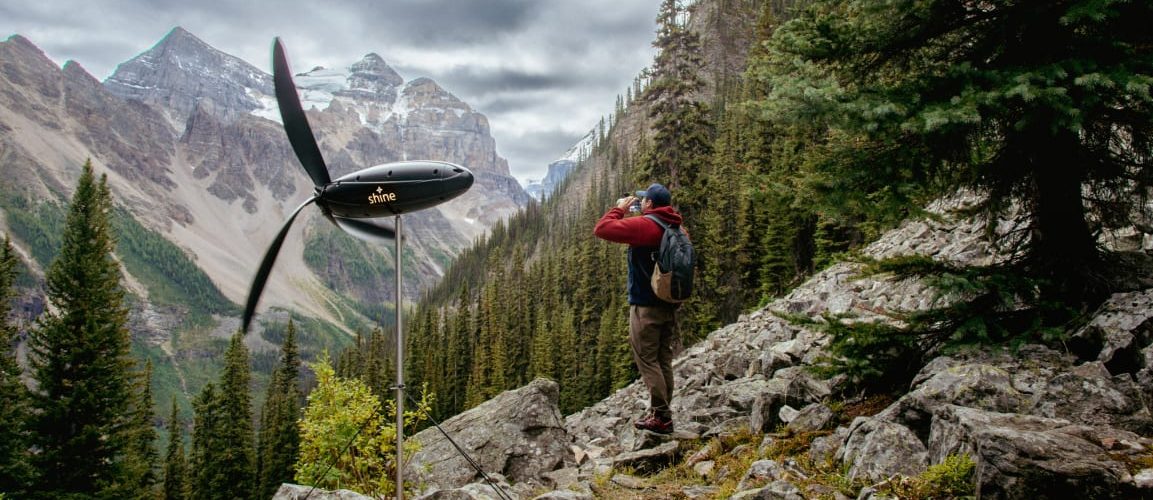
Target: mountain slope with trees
[(541, 297), (849, 119)]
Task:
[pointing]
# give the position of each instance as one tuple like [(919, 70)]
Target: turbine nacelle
[(394, 189)]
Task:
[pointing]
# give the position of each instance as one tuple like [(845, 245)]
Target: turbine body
[(394, 189)]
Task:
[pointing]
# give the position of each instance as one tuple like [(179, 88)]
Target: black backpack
[(673, 273)]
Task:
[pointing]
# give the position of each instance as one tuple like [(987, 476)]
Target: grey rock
[(825, 448), (488, 491), (814, 417), (705, 469), (1020, 456), (777, 490), (298, 492), (761, 473), (456, 494), (650, 459), (787, 413), (1144, 480), (518, 433), (629, 481), (976, 385), (1095, 400), (877, 448), (565, 495), (693, 492), (561, 478), (783, 490), (1119, 330)]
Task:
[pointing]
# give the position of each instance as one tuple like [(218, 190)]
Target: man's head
[(657, 194)]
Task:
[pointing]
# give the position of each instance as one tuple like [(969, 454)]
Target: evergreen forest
[(848, 117)]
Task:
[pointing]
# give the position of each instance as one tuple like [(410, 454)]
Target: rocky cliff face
[(181, 71)]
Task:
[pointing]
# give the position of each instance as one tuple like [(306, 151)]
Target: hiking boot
[(655, 424)]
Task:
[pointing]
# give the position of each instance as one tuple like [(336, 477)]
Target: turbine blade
[(266, 268), (295, 122), (365, 230)]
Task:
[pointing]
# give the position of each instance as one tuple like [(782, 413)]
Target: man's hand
[(624, 203)]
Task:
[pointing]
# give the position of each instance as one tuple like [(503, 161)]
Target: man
[(652, 321)]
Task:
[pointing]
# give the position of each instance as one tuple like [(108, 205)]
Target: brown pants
[(653, 337)]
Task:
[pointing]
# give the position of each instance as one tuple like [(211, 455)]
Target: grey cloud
[(555, 62), (441, 23)]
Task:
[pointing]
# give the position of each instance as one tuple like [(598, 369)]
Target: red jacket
[(635, 231), (643, 236)]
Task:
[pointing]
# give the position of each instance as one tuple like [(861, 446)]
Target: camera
[(635, 207)]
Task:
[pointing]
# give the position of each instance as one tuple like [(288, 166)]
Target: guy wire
[(400, 453), (343, 450), (470, 460)]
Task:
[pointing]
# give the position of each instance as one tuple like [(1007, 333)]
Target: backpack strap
[(664, 225)]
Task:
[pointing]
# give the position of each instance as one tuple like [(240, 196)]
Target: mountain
[(560, 168), (204, 177), (198, 148)]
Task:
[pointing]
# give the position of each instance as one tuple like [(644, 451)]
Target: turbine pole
[(399, 368)]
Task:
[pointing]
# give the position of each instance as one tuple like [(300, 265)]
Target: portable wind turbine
[(350, 201)]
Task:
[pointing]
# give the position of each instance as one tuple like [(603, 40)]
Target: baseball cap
[(658, 194)]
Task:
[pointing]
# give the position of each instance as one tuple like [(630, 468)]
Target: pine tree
[(238, 462), (175, 464), (143, 457), (460, 354), (15, 469), (223, 448), (683, 130), (279, 432), (1045, 103), (205, 473), (79, 358)]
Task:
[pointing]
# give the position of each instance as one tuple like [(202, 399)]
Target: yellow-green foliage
[(951, 478), (346, 441)]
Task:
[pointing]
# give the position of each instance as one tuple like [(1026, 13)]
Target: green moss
[(952, 478)]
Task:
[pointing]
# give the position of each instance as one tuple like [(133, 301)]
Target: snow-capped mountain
[(560, 168)]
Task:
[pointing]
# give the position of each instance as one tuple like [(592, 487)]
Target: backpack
[(673, 273)]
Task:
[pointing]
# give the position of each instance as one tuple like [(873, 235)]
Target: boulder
[(760, 473), (1119, 330), (519, 434), (877, 449), (1023, 456), (298, 492), (650, 459), (1094, 399), (814, 417), (976, 385)]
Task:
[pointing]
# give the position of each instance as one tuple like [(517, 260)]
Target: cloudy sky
[(543, 71)]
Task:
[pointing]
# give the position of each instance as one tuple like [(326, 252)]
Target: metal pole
[(399, 369)]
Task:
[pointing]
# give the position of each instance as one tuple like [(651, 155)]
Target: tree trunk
[(1063, 250)]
